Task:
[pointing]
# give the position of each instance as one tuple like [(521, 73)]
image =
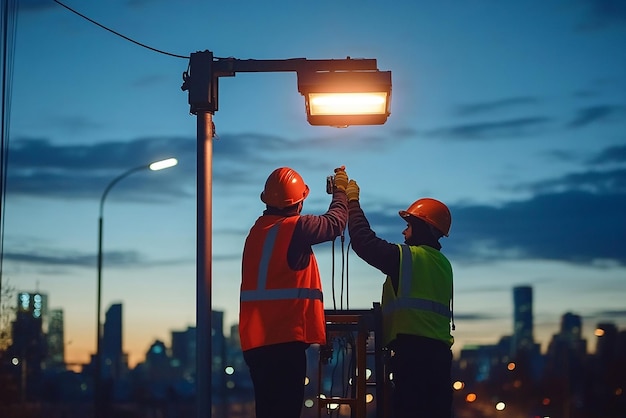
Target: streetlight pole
[(158, 165), (314, 76)]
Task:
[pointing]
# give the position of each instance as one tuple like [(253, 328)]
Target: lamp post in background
[(337, 92), (155, 166)]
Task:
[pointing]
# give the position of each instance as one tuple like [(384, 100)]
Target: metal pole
[(97, 360), (98, 395), (204, 355)]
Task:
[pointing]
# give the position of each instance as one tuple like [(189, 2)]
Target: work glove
[(341, 178), (352, 190)]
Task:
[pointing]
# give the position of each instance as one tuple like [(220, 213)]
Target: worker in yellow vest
[(281, 310), (416, 304)]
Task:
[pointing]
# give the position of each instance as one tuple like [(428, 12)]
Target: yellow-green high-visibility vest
[(422, 305)]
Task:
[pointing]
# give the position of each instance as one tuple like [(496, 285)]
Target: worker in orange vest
[(281, 305)]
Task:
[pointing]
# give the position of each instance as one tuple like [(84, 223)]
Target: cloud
[(593, 114), (40, 167), (610, 314), (577, 218), (603, 13), (61, 258), (496, 105), (510, 128), (609, 181), (37, 167), (615, 154), (576, 227)]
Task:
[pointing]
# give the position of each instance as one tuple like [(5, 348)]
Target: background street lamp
[(155, 166), (338, 84)]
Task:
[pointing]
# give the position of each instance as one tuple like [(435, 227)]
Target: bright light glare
[(371, 103), (229, 370), (500, 406), (458, 385), (160, 165)]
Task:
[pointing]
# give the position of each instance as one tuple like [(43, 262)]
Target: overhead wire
[(8, 16), (119, 34)]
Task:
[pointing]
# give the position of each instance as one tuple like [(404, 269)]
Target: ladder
[(359, 326)]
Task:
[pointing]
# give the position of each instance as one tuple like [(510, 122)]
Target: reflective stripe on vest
[(404, 301), (261, 293)]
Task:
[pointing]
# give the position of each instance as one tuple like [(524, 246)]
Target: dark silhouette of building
[(114, 361), (184, 351), (29, 348), (522, 320), (55, 337)]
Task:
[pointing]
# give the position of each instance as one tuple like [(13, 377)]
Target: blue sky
[(511, 112)]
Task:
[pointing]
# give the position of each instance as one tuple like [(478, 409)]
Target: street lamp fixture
[(344, 98), (155, 166), (201, 81), (163, 164)]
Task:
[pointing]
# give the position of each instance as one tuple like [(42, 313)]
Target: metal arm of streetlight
[(157, 165), (353, 91)]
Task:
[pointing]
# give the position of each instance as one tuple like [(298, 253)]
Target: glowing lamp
[(344, 98)]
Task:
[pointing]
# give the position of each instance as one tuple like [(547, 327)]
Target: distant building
[(55, 337), (566, 354), (184, 351), (29, 348), (522, 320), (607, 342), (114, 362)]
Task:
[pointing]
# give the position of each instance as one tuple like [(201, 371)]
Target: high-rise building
[(522, 320), (567, 349), (56, 348), (607, 341), (114, 363), (184, 350), (34, 304), (28, 349)]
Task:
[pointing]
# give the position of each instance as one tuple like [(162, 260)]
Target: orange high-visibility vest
[(278, 304)]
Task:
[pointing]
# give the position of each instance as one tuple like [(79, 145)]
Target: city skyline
[(524, 336), (513, 114), (511, 375)]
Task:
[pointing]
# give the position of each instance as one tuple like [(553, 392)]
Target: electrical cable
[(347, 277), (8, 16), (342, 270), (332, 274), (119, 34)]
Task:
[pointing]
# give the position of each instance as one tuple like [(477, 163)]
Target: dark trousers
[(422, 382), (278, 372)]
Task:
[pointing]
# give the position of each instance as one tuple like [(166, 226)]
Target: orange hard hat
[(284, 187), (432, 211)]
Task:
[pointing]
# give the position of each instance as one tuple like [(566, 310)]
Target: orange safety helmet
[(432, 211), (284, 187)]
